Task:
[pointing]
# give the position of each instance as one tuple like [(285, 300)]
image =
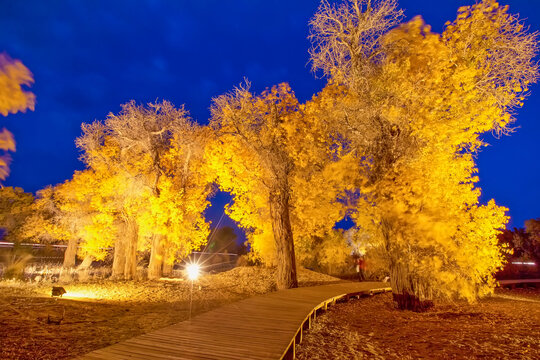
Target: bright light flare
[(193, 271)]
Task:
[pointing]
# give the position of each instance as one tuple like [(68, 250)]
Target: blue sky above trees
[(88, 57)]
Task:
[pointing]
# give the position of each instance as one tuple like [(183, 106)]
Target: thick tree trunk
[(119, 260), (407, 301), (167, 268), (283, 237), (168, 261), (132, 238), (82, 269), (406, 291), (155, 267), (71, 254)]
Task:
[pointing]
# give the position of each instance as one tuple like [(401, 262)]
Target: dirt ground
[(505, 326), (98, 314)]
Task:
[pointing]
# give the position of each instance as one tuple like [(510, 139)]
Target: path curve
[(261, 327)]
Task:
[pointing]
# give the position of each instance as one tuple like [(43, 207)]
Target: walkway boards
[(262, 327)]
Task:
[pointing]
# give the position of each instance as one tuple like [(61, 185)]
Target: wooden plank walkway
[(262, 327)]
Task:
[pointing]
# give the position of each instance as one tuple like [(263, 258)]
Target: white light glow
[(523, 263), (193, 271)]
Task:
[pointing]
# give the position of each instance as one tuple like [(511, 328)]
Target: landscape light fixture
[(58, 291)]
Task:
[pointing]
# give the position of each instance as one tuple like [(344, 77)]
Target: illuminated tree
[(279, 161), (329, 253), (174, 220), (252, 162), (414, 110), (13, 74), (15, 208), (45, 225), (151, 186), (113, 192), (62, 215)]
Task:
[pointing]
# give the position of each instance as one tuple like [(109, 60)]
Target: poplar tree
[(414, 105)]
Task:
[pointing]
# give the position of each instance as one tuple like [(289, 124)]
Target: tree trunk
[(119, 260), (283, 237), (155, 267), (132, 238), (168, 261), (167, 268), (82, 269), (407, 292), (70, 255)]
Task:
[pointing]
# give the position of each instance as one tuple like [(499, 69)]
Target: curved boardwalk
[(262, 327)]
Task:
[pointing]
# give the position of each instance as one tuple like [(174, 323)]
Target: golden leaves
[(270, 139), (413, 117), (13, 74), (13, 99)]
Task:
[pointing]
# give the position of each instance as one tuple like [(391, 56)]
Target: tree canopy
[(414, 106), (13, 98), (282, 165)]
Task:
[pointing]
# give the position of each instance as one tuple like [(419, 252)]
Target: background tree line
[(523, 243)]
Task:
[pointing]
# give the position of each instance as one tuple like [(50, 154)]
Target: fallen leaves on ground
[(505, 326), (102, 313)]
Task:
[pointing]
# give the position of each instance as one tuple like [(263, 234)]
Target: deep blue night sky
[(88, 57)]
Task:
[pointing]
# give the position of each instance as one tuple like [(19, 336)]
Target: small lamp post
[(193, 271)]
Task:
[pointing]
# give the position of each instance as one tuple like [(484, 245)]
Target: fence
[(46, 261)]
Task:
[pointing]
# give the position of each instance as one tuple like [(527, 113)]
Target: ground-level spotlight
[(58, 291)]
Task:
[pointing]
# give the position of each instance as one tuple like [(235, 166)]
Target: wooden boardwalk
[(262, 327)]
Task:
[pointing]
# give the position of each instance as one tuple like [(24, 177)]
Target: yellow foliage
[(13, 74), (146, 174), (15, 209), (271, 144), (329, 252), (13, 98), (414, 111)]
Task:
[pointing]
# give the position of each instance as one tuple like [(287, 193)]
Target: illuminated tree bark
[(168, 266), (70, 255), (119, 258), (283, 237), (82, 269), (131, 252), (155, 266), (161, 263)]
